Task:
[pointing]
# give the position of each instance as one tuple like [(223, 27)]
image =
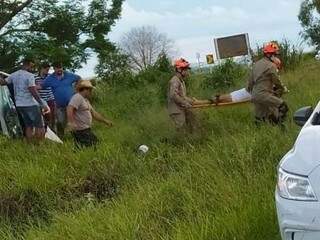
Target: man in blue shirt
[(62, 85)]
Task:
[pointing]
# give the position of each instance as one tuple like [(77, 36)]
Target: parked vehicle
[(317, 57), (298, 188), (9, 121)]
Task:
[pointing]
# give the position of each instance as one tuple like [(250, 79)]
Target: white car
[(3, 126), (3, 74), (298, 189)]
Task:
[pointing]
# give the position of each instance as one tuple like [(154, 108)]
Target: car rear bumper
[(298, 220)]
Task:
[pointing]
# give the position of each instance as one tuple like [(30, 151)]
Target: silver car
[(298, 188)]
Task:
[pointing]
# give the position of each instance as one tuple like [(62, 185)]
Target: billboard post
[(198, 56), (217, 51)]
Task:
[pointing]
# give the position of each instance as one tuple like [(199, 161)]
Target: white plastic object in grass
[(144, 149)]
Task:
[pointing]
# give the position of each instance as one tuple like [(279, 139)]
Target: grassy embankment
[(217, 184)]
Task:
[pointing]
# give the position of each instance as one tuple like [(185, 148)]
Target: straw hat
[(84, 84)]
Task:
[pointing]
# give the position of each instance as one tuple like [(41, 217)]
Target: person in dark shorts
[(80, 114), (29, 104), (32, 117)]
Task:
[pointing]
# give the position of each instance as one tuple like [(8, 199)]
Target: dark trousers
[(61, 117), (84, 138)]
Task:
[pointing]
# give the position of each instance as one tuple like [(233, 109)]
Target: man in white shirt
[(28, 102)]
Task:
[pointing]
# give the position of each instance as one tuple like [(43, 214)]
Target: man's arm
[(190, 100), (34, 92), (70, 115), (278, 86), (173, 93), (97, 116)]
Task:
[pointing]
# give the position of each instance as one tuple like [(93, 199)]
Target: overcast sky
[(194, 24)]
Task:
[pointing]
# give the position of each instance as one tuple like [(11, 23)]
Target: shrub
[(114, 70), (163, 64), (225, 75)]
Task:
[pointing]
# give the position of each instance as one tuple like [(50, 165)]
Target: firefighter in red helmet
[(263, 80), (179, 104)]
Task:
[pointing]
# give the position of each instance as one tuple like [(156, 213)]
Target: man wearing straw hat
[(80, 114)]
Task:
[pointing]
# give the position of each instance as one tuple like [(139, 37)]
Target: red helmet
[(181, 64), (271, 48)]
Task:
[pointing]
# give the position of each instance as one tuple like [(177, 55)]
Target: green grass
[(216, 184)]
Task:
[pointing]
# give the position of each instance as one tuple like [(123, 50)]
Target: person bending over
[(80, 114)]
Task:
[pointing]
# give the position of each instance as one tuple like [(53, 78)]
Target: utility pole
[(198, 56)]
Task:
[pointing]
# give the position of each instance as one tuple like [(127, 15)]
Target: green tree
[(114, 68), (164, 63), (52, 30), (310, 21)]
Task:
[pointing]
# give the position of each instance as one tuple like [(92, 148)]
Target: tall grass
[(216, 184)]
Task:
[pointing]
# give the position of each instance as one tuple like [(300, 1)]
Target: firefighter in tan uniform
[(179, 104), (266, 88)]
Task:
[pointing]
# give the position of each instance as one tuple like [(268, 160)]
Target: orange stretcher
[(199, 106)]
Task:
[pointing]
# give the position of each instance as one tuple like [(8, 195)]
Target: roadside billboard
[(232, 46)]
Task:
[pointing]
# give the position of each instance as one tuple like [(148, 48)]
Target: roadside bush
[(224, 76), (155, 77), (145, 87), (115, 73)]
